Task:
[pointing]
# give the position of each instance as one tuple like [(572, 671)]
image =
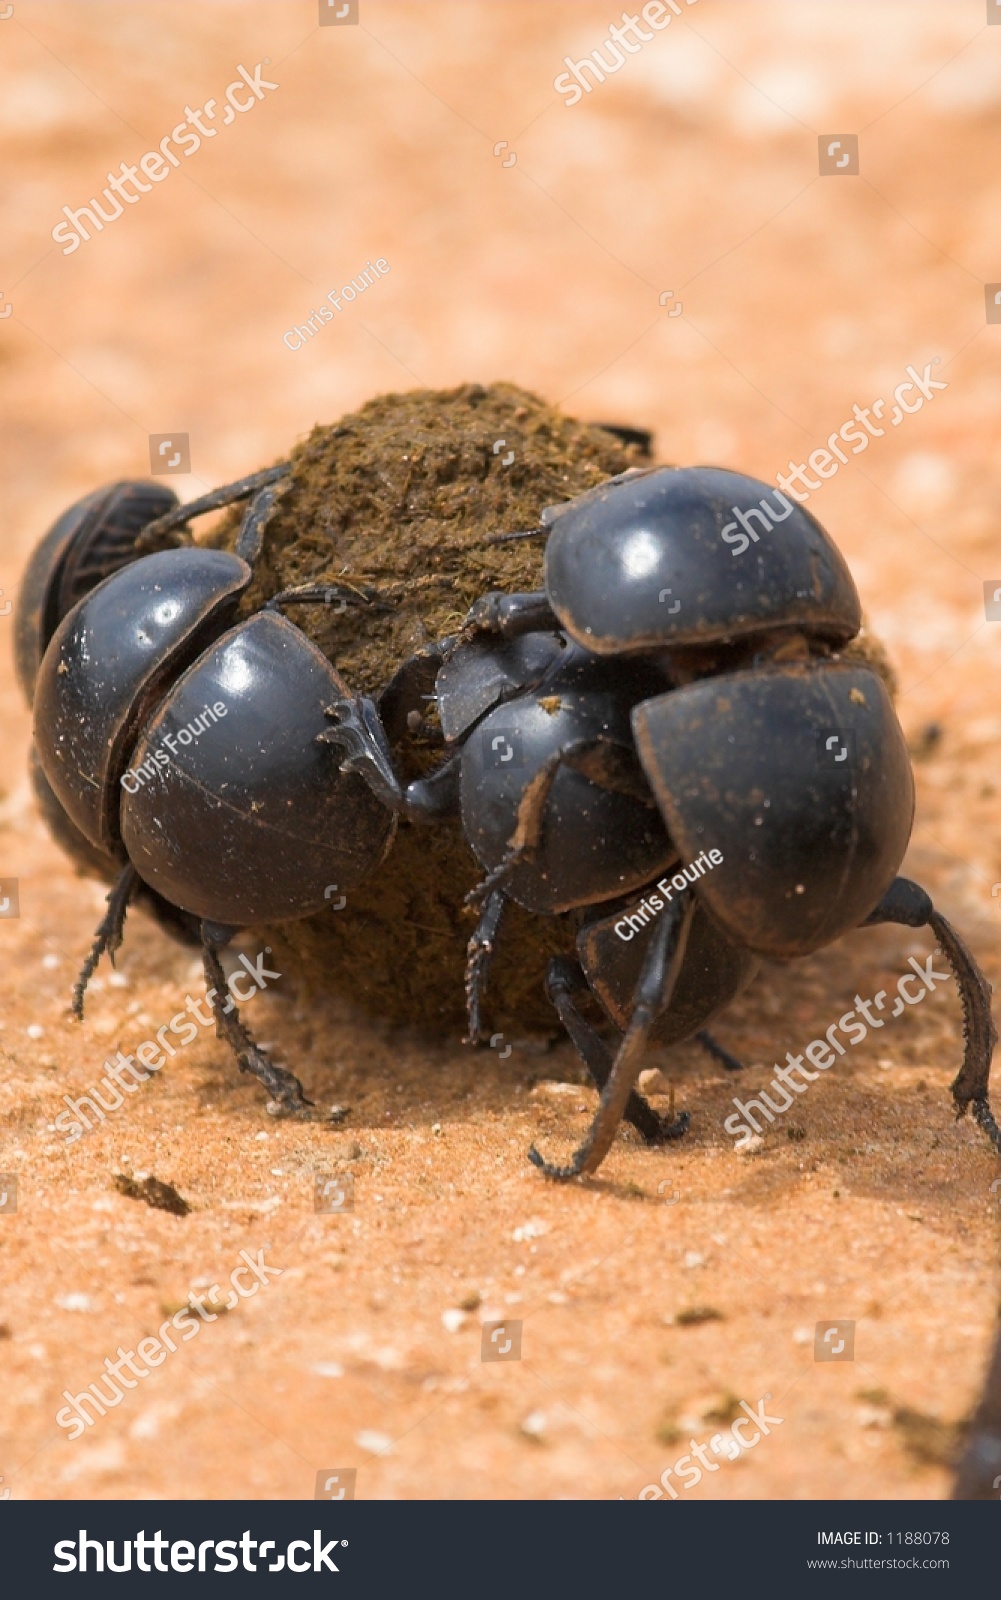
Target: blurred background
[(684, 248)]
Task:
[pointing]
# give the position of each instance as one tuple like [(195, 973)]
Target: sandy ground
[(694, 170)]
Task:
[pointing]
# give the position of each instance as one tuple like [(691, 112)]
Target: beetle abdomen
[(599, 832), (231, 809), (799, 778)]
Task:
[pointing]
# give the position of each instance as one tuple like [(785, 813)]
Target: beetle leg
[(326, 594), (510, 615), (523, 533), (642, 438), (908, 903), (361, 735), (479, 951), (155, 535), (657, 980), (283, 1087), (437, 795), (251, 534), (564, 979), (109, 932), (715, 1049)]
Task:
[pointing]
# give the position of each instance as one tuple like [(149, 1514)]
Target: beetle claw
[(287, 1097), (550, 1170), (360, 735)]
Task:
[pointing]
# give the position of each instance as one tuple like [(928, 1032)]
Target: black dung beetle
[(659, 703), (181, 750)]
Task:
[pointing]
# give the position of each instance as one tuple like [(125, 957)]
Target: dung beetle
[(178, 746), (714, 757)]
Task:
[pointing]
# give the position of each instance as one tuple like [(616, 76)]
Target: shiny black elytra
[(658, 699), (94, 538)]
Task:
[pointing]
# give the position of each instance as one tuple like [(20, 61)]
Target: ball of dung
[(402, 497)]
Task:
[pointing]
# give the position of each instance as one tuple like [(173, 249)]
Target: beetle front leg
[(360, 735), (251, 535), (157, 534)]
